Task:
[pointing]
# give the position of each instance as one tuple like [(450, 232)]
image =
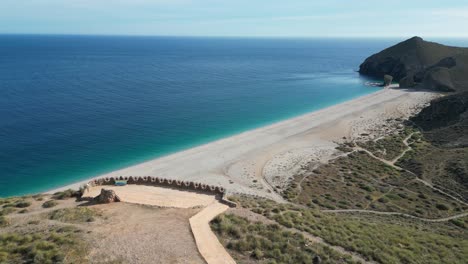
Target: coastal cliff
[(416, 63), (419, 63)]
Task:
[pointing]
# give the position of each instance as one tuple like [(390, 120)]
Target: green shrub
[(75, 214), (4, 221), (8, 210), (442, 207), (22, 204), (44, 246), (66, 194), (258, 254), (49, 204), (458, 222), (383, 200)]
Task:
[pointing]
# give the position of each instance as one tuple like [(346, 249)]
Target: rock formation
[(445, 120), (408, 82), (387, 80), (438, 79), (416, 62), (107, 196)]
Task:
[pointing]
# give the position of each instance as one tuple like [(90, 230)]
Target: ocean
[(74, 107)]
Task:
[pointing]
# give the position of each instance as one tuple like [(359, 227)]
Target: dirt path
[(207, 242), (408, 148), (417, 178)]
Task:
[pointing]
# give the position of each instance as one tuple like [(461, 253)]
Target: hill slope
[(418, 62)]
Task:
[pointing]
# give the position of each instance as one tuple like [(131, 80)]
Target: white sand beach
[(259, 160)]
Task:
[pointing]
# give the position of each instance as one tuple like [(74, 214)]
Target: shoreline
[(258, 160)]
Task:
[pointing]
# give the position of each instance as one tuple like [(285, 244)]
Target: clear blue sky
[(303, 18)]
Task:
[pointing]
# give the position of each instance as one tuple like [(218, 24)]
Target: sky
[(250, 18)]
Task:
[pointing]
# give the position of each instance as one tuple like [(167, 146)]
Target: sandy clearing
[(207, 242), (157, 196), (143, 234), (237, 163)]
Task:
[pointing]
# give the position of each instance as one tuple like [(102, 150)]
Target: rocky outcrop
[(438, 79), (445, 120), (416, 62), (387, 80), (408, 81), (107, 196)]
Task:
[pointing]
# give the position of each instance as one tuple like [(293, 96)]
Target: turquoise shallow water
[(72, 107)]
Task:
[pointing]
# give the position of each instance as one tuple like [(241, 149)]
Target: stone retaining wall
[(168, 183)]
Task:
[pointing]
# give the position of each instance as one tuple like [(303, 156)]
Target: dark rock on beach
[(387, 80)]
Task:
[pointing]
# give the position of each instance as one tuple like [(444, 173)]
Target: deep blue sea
[(73, 107)]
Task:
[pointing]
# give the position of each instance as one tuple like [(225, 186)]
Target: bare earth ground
[(144, 234), (124, 233), (257, 161)]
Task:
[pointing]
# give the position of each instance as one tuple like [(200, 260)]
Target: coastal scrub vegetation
[(18, 202), (4, 221), (49, 204), (359, 181), (75, 215), (385, 239), (58, 245), (257, 242), (67, 194), (446, 168), (388, 147)]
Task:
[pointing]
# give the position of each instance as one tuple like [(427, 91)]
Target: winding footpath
[(417, 178)]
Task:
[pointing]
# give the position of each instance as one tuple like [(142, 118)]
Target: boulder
[(438, 79), (107, 196), (387, 80)]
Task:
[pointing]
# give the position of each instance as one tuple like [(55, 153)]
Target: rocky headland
[(416, 63)]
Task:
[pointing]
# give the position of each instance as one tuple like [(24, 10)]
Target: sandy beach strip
[(256, 161)]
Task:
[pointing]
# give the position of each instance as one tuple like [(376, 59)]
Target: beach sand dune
[(260, 160)]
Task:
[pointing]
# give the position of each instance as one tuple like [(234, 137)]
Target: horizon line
[(234, 36)]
